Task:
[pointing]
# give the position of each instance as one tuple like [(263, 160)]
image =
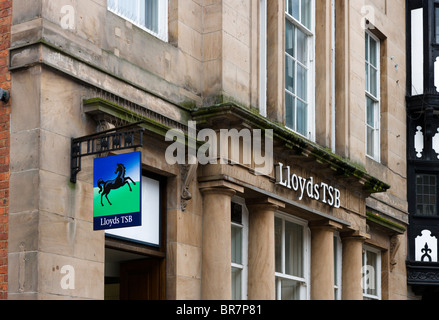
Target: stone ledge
[(300, 145)]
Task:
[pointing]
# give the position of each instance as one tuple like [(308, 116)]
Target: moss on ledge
[(343, 167), (385, 222), (299, 144)]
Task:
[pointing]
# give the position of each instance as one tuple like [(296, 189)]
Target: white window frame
[(338, 261), (376, 100), (377, 273), (310, 33), (162, 18), (305, 281), (244, 258)]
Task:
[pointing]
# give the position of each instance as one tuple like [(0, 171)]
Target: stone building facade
[(320, 83)]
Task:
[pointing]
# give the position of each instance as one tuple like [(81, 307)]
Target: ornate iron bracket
[(116, 139)]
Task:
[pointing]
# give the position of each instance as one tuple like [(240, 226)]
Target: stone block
[(188, 261), (28, 237), (24, 152), (24, 192), (86, 277)]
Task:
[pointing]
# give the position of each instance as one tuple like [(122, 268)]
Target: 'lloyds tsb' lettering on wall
[(306, 186)]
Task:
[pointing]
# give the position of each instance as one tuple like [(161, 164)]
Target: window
[(299, 68), (292, 259), (371, 271), (151, 15), (373, 115), (426, 194), (239, 250), (337, 267)]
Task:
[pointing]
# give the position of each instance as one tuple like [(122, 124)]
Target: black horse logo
[(119, 182)]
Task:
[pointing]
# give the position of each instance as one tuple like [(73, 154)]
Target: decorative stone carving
[(188, 173), (394, 247)]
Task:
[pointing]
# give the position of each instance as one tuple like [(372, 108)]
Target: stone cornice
[(293, 141), (386, 223)]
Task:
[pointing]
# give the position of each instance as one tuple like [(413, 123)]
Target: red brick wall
[(5, 110)]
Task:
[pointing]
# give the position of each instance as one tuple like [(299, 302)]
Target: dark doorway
[(142, 280), (132, 276)]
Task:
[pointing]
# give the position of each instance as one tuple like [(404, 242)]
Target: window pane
[(302, 118), (302, 47), (236, 215), (290, 74), (112, 4), (236, 284), (290, 290), (290, 41), (293, 8), (128, 8), (237, 244), (278, 244), (373, 59), (302, 83), (151, 15), (372, 269), (373, 78), (144, 13), (293, 249), (366, 38), (370, 112), (370, 142), (367, 77), (306, 13), (290, 117)]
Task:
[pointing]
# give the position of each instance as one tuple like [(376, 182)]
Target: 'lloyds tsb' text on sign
[(306, 186)]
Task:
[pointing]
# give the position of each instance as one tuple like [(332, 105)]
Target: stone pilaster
[(322, 260), (261, 254), (216, 272), (352, 265)]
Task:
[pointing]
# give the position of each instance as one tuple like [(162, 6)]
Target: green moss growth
[(385, 222)]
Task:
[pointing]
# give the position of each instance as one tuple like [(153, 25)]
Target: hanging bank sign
[(305, 187), (117, 193)]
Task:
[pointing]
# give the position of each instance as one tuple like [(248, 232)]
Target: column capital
[(354, 235), (325, 224), (221, 186), (226, 191), (265, 202)]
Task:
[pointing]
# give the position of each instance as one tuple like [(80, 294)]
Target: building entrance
[(132, 276)]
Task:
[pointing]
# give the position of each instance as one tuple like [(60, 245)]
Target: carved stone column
[(261, 255), (322, 260), (216, 271), (352, 266)]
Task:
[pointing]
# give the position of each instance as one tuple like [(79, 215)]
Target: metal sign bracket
[(112, 140)]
